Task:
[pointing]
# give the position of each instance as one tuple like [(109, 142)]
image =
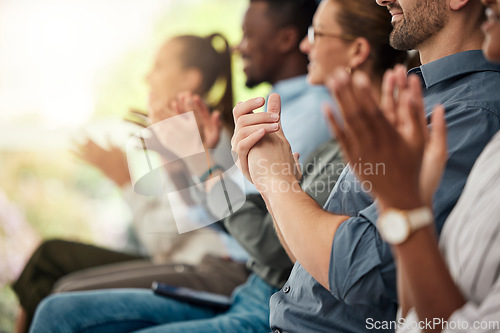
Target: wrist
[(420, 238), (402, 202), (209, 172), (396, 226), (200, 165)]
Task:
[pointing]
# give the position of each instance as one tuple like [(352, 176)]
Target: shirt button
[(286, 290)]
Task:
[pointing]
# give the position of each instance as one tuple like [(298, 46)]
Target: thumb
[(274, 106), (296, 157), (216, 118)]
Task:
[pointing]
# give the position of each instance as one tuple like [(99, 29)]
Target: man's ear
[(359, 52), (287, 39), (458, 4)]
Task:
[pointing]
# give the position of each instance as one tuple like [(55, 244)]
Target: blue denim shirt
[(362, 275)]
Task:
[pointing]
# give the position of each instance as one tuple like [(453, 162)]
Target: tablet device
[(201, 298)]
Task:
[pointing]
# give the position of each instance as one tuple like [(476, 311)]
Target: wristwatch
[(396, 226)]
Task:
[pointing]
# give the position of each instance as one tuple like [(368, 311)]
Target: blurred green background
[(53, 192)]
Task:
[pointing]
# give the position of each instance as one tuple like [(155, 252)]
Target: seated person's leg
[(54, 259), (249, 313), (129, 274), (123, 310), (213, 274)]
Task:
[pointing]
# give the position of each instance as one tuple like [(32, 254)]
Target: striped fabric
[(470, 243)]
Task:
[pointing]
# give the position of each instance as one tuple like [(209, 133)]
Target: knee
[(49, 248), (48, 313), (48, 306)]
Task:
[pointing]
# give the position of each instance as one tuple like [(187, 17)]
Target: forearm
[(432, 291), (283, 243), (281, 238), (306, 228), (252, 227), (405, 302)]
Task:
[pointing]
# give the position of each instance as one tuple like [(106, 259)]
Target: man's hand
[(265, 157), (264, 154), (250, 128), (112, 162), (388, 144)]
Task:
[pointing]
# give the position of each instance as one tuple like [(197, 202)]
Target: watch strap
[(419, 218), (209, 172)]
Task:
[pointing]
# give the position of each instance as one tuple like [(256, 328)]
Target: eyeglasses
[(312, 34)]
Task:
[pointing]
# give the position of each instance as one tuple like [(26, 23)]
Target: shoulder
[(478, 90), (314, 95)]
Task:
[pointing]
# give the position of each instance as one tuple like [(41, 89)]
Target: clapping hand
[(390, 138), (209, 123), (112, 162), (264, 154)]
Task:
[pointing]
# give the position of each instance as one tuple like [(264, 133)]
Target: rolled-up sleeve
[(362, 269), (470, 318)]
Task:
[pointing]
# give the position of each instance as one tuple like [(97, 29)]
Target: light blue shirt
[(362, 275)]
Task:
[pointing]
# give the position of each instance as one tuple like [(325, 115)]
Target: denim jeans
[(134, 310)]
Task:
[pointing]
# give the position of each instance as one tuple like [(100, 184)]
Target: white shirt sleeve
[(478, 318), (471, 318), (409, 324)]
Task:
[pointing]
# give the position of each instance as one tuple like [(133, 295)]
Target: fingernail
[(274, 126), (258, 100), (274, 116)]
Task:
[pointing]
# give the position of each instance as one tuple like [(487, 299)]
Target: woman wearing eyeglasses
[(353, 34), (185, 63), (450, 284)]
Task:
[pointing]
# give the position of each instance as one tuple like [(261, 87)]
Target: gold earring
[(349, 70)]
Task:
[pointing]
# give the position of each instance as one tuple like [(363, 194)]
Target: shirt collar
[(289, 88), (453, 66)]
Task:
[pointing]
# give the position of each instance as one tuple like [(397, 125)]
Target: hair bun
[(218, 42)]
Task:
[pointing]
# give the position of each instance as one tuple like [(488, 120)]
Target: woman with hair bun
[(185, 63)]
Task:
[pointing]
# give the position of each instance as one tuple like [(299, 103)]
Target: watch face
[(395, 228)]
